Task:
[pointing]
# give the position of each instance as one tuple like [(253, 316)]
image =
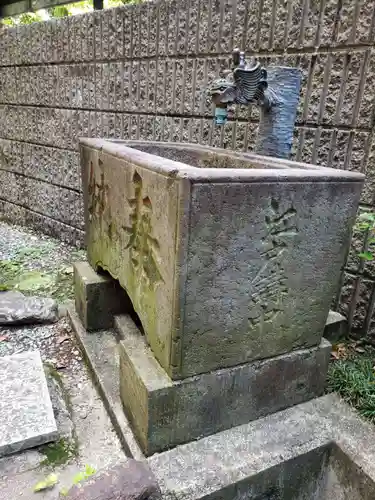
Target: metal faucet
[(245, 84), (275, 91)]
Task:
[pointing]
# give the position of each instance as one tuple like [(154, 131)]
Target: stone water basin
[(227, 257), (326, 473)]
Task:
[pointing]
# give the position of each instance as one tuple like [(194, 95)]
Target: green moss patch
[(26, 273), (58, 453)]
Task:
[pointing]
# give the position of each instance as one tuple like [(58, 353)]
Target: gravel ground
[(32, 251), (36, 264), (53, 253), (26, 251), (55, 342)]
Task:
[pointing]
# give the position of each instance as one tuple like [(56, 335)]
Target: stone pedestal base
[(98, 297), (164, 413)]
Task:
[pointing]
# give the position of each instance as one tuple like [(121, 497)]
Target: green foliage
[(366, 224), (9, 270), (79, 478), (47, 483), (25, 18), (354, 380), (59, 11), (14, 274), (69, 9), (30, 17), (52, 479), (8, 21)]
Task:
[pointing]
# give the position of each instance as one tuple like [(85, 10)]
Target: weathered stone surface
[(97, 297), (345, 480), (336, 326), (165, 413), (13, 187), (284, 447), (320, 450), (11, 213), (26, 415), (131, 480), (16, 309), (47, 199), (61, 405), (102, 358), (56, 229), (176, 237)]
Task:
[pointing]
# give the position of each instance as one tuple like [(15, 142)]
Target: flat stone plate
[(26, 414)]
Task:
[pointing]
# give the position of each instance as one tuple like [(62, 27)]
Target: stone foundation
[(164, 413)]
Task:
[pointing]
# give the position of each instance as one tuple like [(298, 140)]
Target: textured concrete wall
[(140, 72)]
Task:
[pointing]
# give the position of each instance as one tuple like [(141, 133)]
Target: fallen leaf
[(339, 351), (49, 482), (62, 339), (360, 349)]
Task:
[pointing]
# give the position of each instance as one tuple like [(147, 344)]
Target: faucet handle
[(242, 63), (236, 57)]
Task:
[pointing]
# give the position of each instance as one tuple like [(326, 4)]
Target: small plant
[(366, 224), (354, 380), (47, 483), (79, 478), (51, 481)]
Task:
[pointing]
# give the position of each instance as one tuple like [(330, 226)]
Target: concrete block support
[(97, 297)]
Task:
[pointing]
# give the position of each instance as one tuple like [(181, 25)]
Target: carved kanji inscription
[(144, 248), (269, 286), (98, 193)]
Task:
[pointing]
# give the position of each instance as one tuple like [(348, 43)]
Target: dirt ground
[(36, 264)]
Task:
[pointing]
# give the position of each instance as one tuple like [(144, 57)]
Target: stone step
[(319, 450)]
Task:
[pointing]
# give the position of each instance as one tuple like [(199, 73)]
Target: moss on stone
[(51, 371), (15, 274), (58, 453)]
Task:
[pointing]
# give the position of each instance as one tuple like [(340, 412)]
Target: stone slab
[(277, 457), (164, 413), (131, 480), (26, 414), (17, 309), (336, 326), (176, 236), (98, 297)]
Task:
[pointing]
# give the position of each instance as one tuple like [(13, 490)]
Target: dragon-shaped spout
[(246, 84), (275, 91)]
